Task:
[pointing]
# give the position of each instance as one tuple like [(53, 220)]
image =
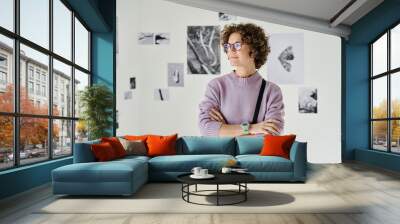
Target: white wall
[(148, 63)]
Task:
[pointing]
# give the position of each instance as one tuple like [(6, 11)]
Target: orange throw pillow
[(161, 145), (116, 145), (277, 145), (136, 137), (103, 152)]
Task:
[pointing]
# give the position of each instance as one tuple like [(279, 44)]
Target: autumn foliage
[(380, 127), (33, 131)]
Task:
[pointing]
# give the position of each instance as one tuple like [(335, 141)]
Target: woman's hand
[(265, 127), (216, 115)]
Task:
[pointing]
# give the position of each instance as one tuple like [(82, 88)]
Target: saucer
[(208, 176)]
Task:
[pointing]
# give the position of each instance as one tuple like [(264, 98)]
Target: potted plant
[(96, 102)]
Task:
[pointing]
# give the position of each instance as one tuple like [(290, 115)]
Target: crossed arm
[(212, 122), (268, 126)]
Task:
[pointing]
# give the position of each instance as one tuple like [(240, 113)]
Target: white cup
[(196, 170), (203, 172), (226, 170)]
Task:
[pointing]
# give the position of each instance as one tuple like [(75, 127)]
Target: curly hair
[(252, 35)]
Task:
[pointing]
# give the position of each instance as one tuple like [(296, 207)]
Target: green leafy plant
[(96, 102)]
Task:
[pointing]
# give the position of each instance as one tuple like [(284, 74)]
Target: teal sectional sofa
[(125, 176)]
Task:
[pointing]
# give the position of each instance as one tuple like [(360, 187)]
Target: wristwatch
[(245, 128)]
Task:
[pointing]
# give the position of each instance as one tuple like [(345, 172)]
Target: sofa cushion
[(161, 145), (277, 145), (116, 145), (103, 152), (136, 147), (185, 163), (111, 171), (257, 163), (196, 145), (249, 145)]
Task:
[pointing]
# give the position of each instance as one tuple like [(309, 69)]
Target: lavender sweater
[(236, 99)]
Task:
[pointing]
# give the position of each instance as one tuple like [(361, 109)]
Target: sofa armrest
[(83, 152), (298, 155)]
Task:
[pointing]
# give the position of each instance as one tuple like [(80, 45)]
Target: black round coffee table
[(238, 179)]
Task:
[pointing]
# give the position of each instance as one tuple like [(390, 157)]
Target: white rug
[(166, 198)]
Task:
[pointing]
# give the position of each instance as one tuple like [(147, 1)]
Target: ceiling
[(326, 16)]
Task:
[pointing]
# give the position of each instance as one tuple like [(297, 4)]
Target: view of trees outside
[(33, 138)]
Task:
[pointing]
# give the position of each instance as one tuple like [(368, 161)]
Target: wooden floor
[(377, 188)]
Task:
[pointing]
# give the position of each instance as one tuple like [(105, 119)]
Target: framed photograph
[(162, 38), (225, 17), (127, 95), (308, 100), (132, 83), (145, 38), (175, 74), (285, 64), (203, 50), (161, 94)]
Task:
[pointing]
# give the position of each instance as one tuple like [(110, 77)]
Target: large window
[(385, 91), (45, 63)]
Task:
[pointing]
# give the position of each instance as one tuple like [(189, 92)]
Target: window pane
[(33, 140), (6, 74), (379, 100), (395, 47), (379, 135), (62, 138), (81, 45), (81, 131), (379, 55), (395, 94), (395, 136), (62, 89), (62, 29), (81, 81), (6, 142), (7, 14), (34, 81), (35, 21)]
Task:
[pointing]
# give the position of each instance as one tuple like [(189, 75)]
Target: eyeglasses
[(234, 47)]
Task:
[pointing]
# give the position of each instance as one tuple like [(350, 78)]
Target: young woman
[(230, 104)]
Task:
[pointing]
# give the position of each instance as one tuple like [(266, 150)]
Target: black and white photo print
[(307, 100), (203, 50), (162, 38), (226, 17), (127, 95), (132, 83), (286, 59), (145, 38), (175, 74), (161, 94)]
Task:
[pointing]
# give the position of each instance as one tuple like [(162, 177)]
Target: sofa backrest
[(83, 152), (249, 145), (192, 145)]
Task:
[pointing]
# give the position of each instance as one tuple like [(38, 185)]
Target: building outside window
[(34, 79)]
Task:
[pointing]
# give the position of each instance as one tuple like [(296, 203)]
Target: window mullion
[(50, 81), (73, 81)]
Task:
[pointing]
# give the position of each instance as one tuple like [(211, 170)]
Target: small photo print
[(132, 83), (128, 95), (162, 38), (307, 100), (226, 17), (175, 74), (161, 94), (145, 38)]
